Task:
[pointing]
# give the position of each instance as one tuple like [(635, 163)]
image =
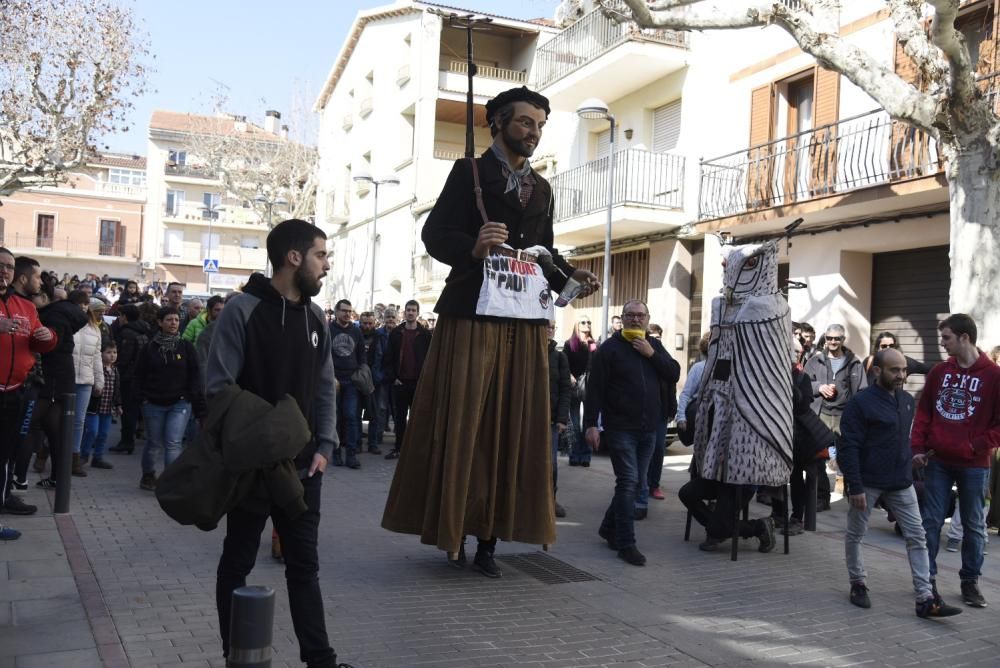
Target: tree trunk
[(975, 239)]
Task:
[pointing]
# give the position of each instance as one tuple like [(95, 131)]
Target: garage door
[(910, 298)]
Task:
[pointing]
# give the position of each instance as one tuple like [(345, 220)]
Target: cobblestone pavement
[(393, 602)]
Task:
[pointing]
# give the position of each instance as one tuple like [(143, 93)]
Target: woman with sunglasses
[(885, 340), (578, 349)]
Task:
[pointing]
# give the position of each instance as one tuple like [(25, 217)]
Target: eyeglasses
[(834, 338), (635, 316), (584, 322), (7, 267)]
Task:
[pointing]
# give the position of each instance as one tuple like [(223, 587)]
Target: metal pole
[(606, 287), (470, 137), (208, 274), (251, 625), (64, 454), (371, 291)]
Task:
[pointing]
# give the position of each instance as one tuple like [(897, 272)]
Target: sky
[(266, 55)]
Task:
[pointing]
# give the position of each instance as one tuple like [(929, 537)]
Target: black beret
[(522, 94)]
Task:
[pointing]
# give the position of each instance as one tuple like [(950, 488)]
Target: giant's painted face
[(750, 270)]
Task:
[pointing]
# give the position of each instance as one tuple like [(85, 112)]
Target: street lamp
[(388, 181), (212, 210), (596, 109), (270, 203)]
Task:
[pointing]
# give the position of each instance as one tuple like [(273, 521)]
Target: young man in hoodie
[(348, 346), (957, 426), (876, 461), (272, 340)]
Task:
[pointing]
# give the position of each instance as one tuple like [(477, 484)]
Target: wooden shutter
[(760, 167), (823, 147), (603, 143), (666, 127), (908, 147)]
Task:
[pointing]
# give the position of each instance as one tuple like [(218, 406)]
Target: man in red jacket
[(956, 427), (21, 336)]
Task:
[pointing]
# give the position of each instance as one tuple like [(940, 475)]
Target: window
[(173, 243), (666, 127), (210, 205), (249, 242), (112, 238), (127, 177), (175, 200), (603, 143), (45, 230), (210, 246), (177, 157)]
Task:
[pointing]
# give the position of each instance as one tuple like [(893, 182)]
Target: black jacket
[(65, 319), (132, 338), (347, 345), (452, 228), (623, 387), (579, 360), (393, 353), (559, 385), (849, 381), (166, 379), (272, 347), (874, 448)]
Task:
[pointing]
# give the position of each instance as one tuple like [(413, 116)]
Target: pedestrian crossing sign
[(210, 266)]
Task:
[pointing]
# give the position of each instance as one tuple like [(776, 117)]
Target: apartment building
[(89, 224), (191, 218), (801, 142)]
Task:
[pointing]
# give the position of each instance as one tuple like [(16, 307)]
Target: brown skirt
[(477, 455)]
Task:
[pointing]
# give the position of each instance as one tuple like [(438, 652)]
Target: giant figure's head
[(750, 270)]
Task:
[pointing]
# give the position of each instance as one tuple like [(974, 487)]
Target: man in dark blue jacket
[(876, 461), (623, 388), (375, 344), (348, 346)]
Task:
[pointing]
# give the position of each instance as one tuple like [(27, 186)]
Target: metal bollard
[(64, 453), (251, 626)]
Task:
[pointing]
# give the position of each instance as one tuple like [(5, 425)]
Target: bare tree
[(269, 171), (948, 105), (69, 70)]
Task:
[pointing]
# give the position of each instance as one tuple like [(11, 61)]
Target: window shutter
[(760, 167), (761, 104), (603, 143), (826, 108), (666, 127), (823, 148)]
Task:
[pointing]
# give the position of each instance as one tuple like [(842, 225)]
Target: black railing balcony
[(858, 152), (641, 178), (591, 37)]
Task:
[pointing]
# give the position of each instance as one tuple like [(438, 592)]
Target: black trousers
[(131, 410), (402, 398), (299, 549), (10, 424), (718, 523), (25, 444)]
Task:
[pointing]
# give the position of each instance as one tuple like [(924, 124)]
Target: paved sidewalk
[(391, 602)]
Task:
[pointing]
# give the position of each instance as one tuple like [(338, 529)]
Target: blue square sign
[(210, 266)]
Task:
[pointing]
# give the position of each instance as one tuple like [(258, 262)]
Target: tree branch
[(684, 14)]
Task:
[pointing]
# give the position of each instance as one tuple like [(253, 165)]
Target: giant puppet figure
[(743, 433)]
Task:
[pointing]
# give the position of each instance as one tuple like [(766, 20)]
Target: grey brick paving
[(392, 602)]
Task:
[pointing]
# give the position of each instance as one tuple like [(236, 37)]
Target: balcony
[(599, 56), (490, 80), (191, 213), (430, 274), (859, 152), (645, 185), (229, 257), (30, 244), (121, 189), (190, 171)]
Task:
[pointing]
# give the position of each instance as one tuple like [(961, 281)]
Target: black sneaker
[(794, 527), (127, 448), (99, 463), (337, 459), (936, 608), (19, 485), (393, 454), (460, 560), (560, 511), (15, 506), (148, 482), (631, 555), (485, 564), (46, 483), (352, 461), (374, 450), (710, 545), (608, 537), (971, 595), (765, 532), (859, 595), (641, 513)]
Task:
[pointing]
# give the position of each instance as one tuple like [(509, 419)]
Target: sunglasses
[(834, 338), (883, 346), (584, 322)]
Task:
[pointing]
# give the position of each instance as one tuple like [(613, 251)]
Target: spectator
[(407, 351), (89, 373), (133, 336), (807, 337), (875, 459), (175, 299), (559, 394), (374, 344), (886, 341), (624, 389), (616, 326), (687, 402), (650, 483), (203, 344), (102, 407), (384, 389), (169, 381), (957, 425), (197, 325), (192, 309), (348, 348), (578, 349)]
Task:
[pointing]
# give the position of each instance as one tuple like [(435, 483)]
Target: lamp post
[(595, 109), (388, 181), (269, 202), (212, 210)]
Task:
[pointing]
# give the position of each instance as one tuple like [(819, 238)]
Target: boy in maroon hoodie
[(956, 427)]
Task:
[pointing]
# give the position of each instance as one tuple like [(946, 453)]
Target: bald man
[(875, 459)]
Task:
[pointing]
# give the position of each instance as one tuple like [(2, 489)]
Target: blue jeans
[(83, 393), (630, 453), (348, 424), (579, 451), (971, 482), (95, 435), (165, 427), (655, 470)]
